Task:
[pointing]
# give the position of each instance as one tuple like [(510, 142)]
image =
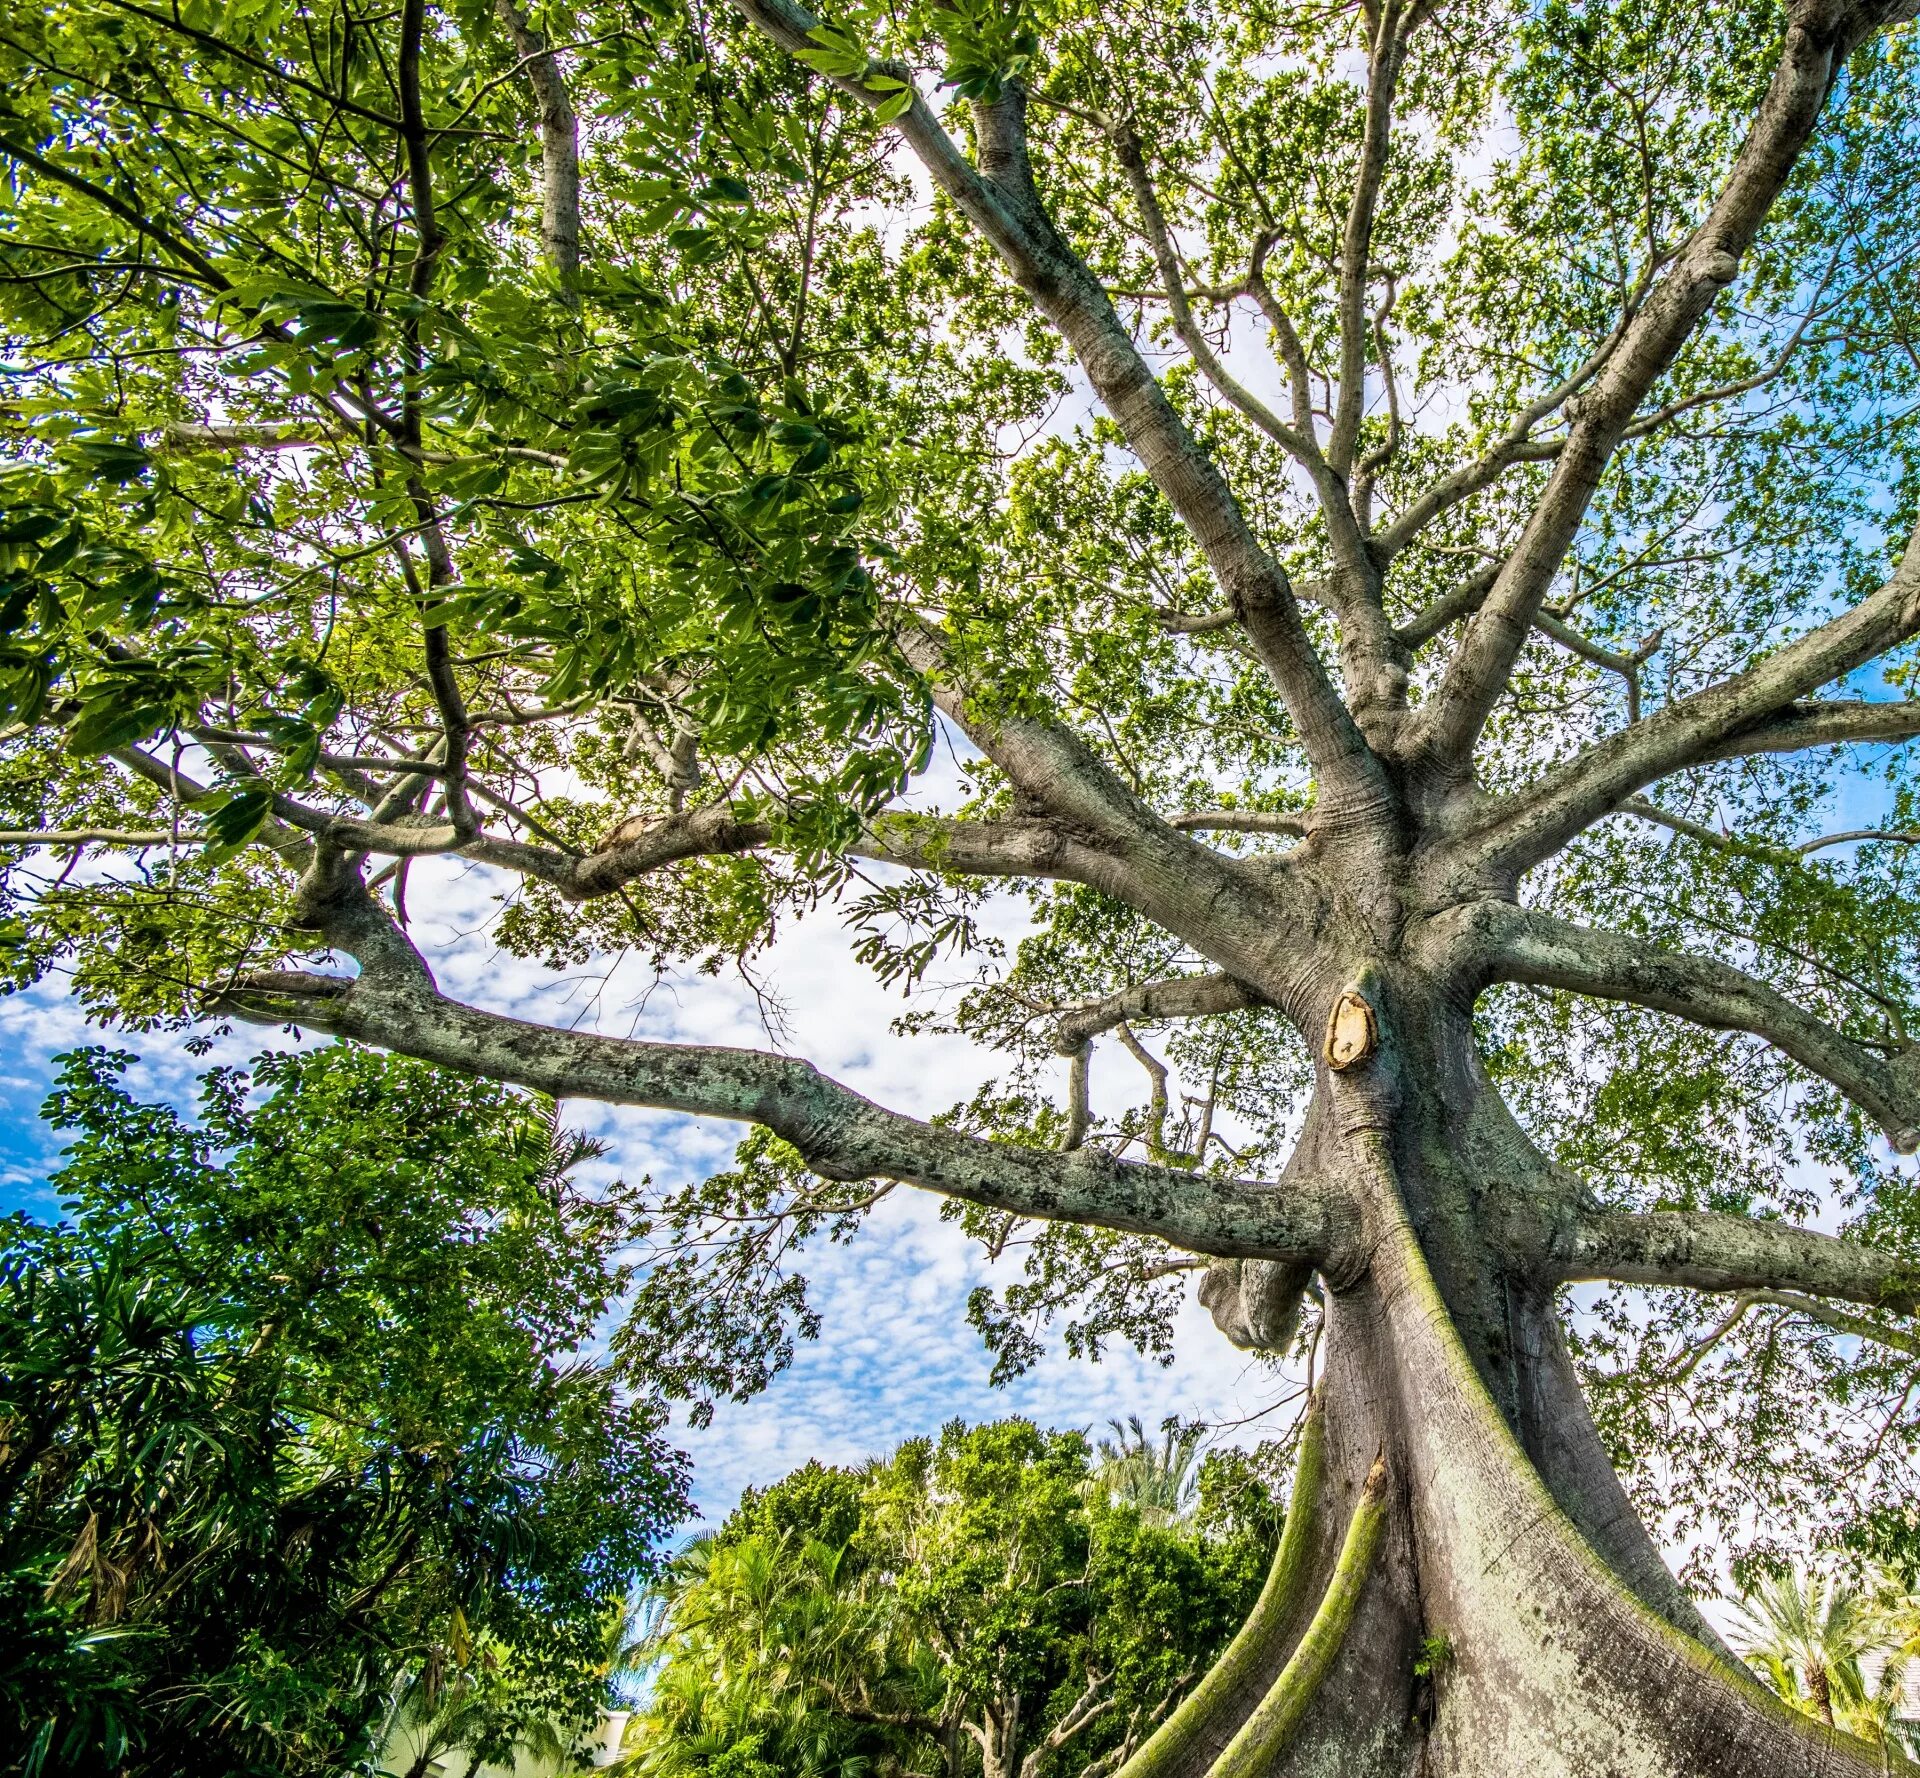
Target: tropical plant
[(294, 1431), (1808, 1631), (1160, 1482), (1403, 512), (1837, 1647), (983, 1606)]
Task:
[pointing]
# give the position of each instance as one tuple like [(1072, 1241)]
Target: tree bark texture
[(1518, 1619)]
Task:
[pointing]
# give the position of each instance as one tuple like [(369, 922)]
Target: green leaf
[(111, 721)]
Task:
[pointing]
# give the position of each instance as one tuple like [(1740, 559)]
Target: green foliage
[(841, 1619), (1812, 1635), (296, 1429), (271, 436)]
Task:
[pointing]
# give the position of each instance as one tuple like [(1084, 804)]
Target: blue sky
[(896, 1356)]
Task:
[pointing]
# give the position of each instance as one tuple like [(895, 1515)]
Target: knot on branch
[(1256, 1302)]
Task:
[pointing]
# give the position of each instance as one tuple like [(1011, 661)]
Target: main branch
[(1754, 712), (839, 1134), (1535, 947), (1704, 1250), (1819, 38)]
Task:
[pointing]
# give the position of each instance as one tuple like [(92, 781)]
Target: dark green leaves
[(301, 1427)]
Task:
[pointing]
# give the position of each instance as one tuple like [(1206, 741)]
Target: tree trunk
[(1517, 1620)]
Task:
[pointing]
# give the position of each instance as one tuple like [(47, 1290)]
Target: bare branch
[(1837, 722), (1463, 601), (1079, 1112), (1293, 354), (1704, 1250), (838, 1133), (1393, 30), (1733, 842), (1205, 623), (1626, 665), (1178, 997), (646, 843), (1535, 947), (1240, 821), (1859, 833), (184, 437), (95, 836), (559, 146), (1859, 1326)]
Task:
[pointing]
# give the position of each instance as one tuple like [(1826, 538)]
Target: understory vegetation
[(999, 1599), (297, 1438)]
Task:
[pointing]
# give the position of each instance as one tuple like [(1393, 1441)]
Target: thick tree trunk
[(1517, 1620)]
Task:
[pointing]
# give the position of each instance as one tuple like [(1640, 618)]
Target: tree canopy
[(297, 1436), (989, 1600), (1402, 516)]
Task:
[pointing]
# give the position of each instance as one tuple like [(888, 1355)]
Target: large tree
[(1410, 504)]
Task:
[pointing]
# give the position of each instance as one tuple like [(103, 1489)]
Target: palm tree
[(1159, 1480), (1897, 1611), (767, 1652), (1808, 1632)]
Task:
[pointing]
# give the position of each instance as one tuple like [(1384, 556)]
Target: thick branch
[(636, 848), (838, 1133), (1000, 200), (1535, 947), (1819, 38), (1179, 997), (1835, 722), (559, 146), (1703, 1250), (1754, 712), (1240, 821)]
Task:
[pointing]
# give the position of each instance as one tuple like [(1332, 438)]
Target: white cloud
[(895, 1356)]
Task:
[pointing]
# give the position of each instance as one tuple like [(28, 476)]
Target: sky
[(895, 1357)]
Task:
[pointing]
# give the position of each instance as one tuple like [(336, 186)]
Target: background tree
[(976, 1603), (1446, 706), (297, 1439), (1159, 1481), (1837, 1648)]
